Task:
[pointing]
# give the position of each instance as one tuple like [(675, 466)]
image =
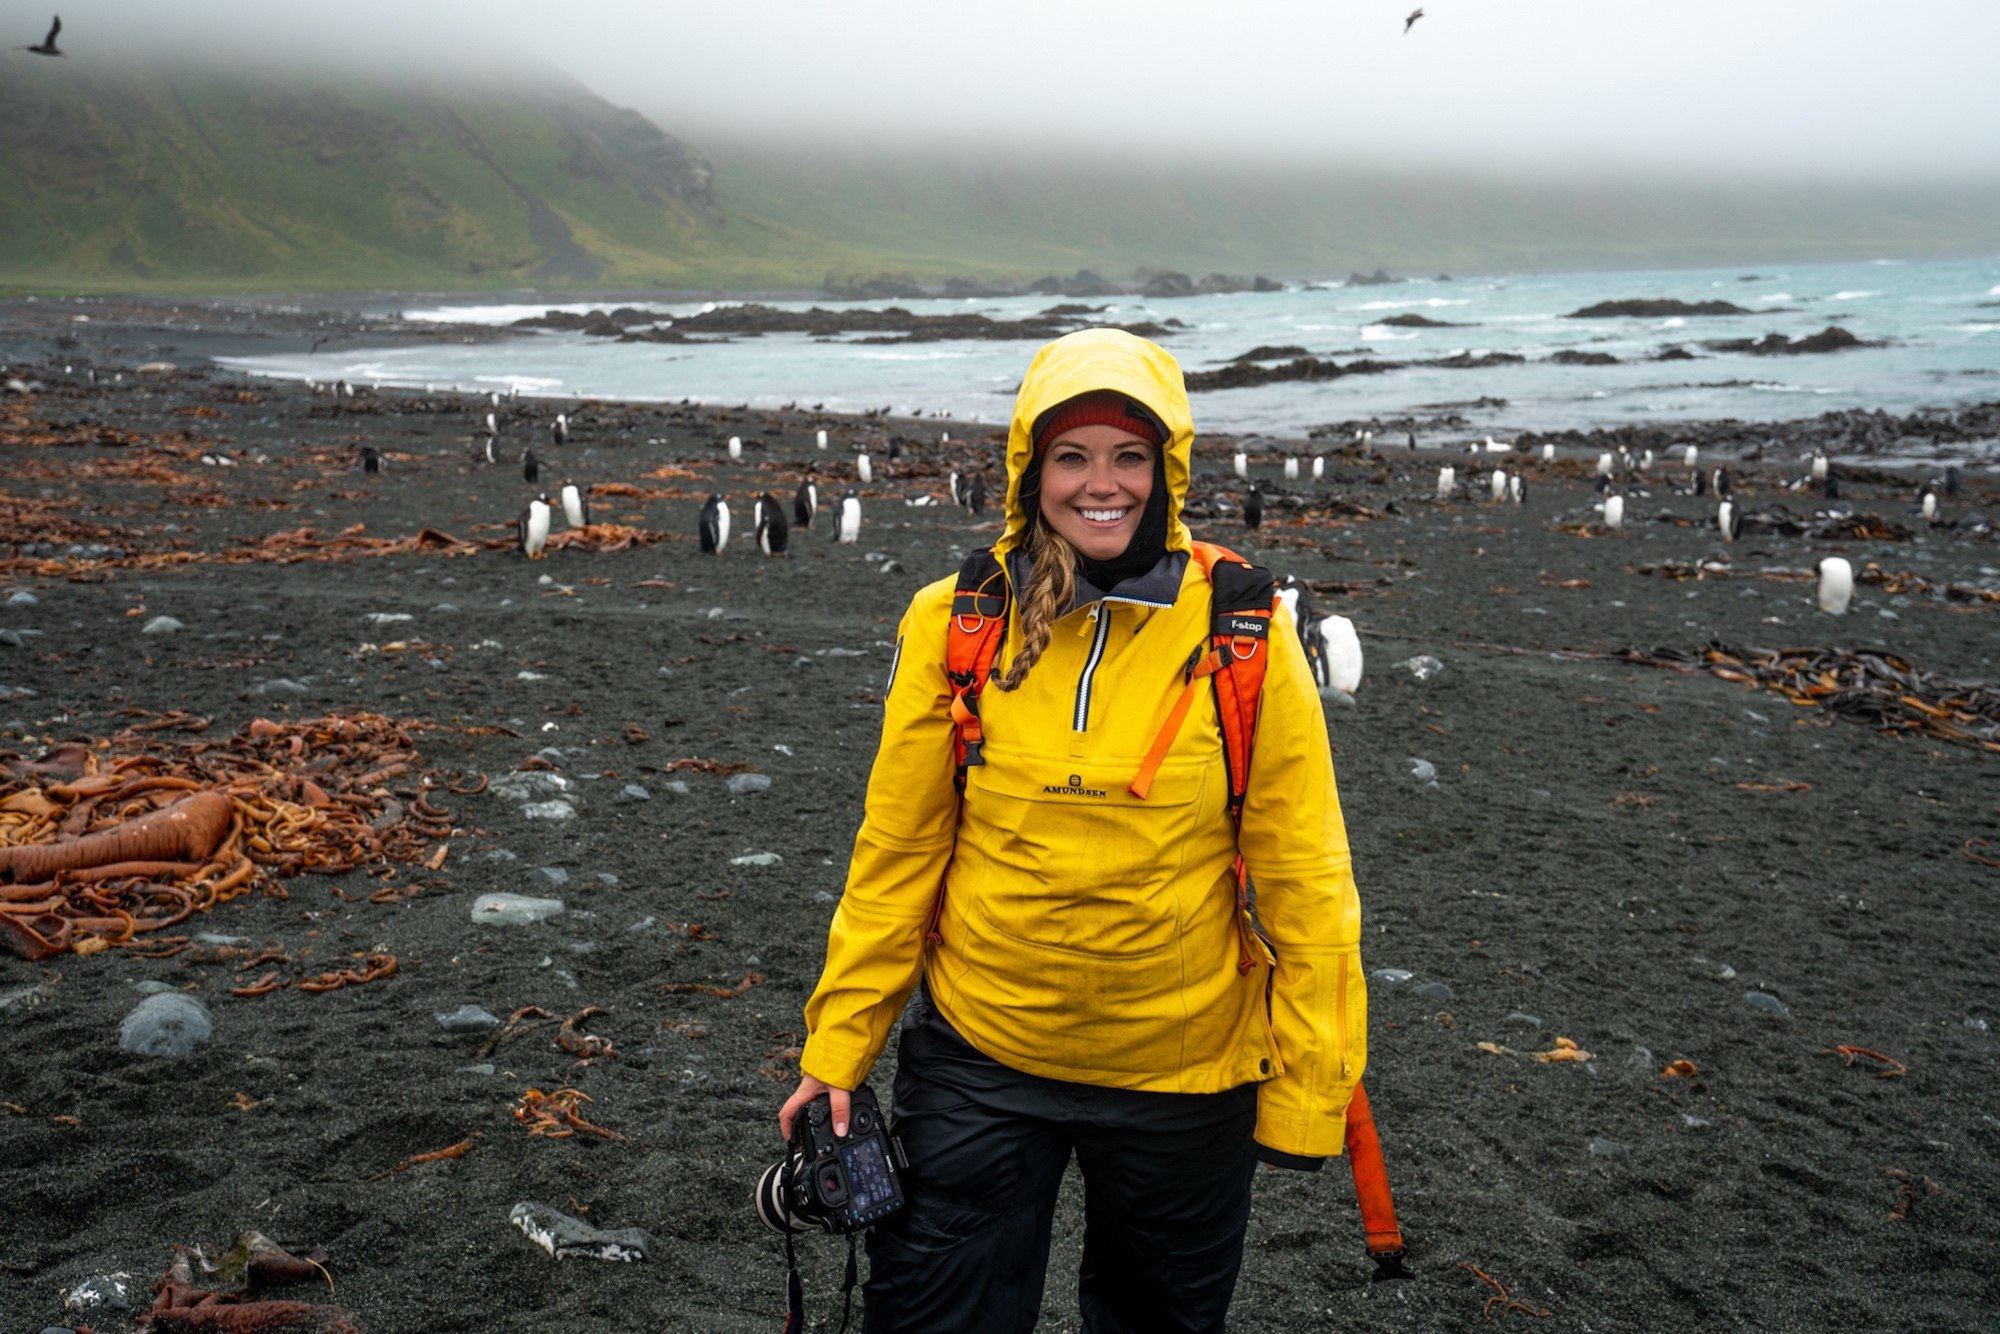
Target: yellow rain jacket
[(1088, 935)]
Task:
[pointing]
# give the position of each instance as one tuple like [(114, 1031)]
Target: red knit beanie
[(1100, 407)]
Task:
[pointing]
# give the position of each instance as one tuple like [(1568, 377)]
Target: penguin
[(1832, 488), (895, 448), (864, 469), (773, 535), (805, 501), (1951, 481), (576, 509), (975, 494), (1614, 511), (1367, 441), (944, 437), (848, 530), (1548, 452), (370, 460), (820, 439), (957, 488), (533, 528), (1718, 482), (559, 433), (1292, 593), (1700, 482), (1646, 461), (1253, 508), (1690, 457), (714, 525), (1728, 520), (1517, 489), (1604, 465), (1499, 485), (1447, 479), (1818, 472), (735, 447), (488, 452), (531, 468), (1338, 665), (1412, 440), (1836, 585), (1291, 468), (492, 425), (1241, 463), (1930, 502), (1319, 466)]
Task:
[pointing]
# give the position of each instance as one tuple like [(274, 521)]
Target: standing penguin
[(532, 529), (848, 530), (958, 488), (864, 469), (819, 440), (805, 501), (576, 509), (1337, 666), (1241, 463), (714, 525), (1253, 508), (531, 468), (735, 446), (1718, 482), (1836, 585), (1614, 511), (975, 493), (559, 433), (773, 534), (1728, 520), (1447, 479), (1291, 468), (1517, 489), (370, 460), (1319, 466)]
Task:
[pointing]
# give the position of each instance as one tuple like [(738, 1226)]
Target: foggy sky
[(1759, 87)]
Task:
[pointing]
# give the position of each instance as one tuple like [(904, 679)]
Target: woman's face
[(1095, 483)]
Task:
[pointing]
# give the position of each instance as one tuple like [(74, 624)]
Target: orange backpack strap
[(972, 645)]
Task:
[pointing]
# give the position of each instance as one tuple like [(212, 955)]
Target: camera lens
[(774, 1201)]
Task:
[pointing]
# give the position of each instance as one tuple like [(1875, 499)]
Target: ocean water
[(1939, 322)]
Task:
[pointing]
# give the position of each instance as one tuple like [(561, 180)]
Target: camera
[(834, 1183)]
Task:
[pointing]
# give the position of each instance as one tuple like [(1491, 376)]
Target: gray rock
[(757, 859), (169, 1023), (1392, 975), (467, 1019), (548, 810), (1603, 1146), (23, 598), (1765, 1003), (162, 625), (282, 686), (531, 785), (1434, 990), (564, 1237), (678, 787), (607, 878), (513, 909), (553, 754), (742, 785), (1524, 1019), (100, 1292), (555, 875), (11, 638), (635, 792)]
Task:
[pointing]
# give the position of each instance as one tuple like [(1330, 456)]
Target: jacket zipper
[(1081, 722), (1340, 1017)]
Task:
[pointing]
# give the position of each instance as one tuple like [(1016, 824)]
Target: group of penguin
[(532, 527), (768, 523)]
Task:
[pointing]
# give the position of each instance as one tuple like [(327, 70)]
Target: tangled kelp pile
[(111, 841)]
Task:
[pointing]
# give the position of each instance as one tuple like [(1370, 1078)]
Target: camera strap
[(795, 1292)]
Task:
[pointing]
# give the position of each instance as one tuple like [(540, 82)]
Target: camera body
[(834, 1183)]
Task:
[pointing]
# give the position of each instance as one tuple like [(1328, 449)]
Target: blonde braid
[(1051, 587)]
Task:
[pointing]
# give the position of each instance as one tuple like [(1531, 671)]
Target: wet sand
[(1614, 853)]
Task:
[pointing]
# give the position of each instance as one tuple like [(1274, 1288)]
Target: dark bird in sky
[(48, 46), (1411, 21)]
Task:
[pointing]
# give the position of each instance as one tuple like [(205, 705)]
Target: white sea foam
[(1774, 298), (527, 384), (1993, 290), (1978, 328), (934, 354), (493, 314), (1382, 333), (1673, 322), (1433, 302), (1853, 296)]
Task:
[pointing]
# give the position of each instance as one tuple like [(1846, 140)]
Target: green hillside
[(129, 178), (994, 214)]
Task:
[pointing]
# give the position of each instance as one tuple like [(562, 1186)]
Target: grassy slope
[(965, 213)]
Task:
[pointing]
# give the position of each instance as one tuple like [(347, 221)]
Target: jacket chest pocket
[(1056, 853)]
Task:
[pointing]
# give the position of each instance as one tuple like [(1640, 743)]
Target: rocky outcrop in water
[(1412, 321), (1644, 308), (1379, 278), (1833, 338)]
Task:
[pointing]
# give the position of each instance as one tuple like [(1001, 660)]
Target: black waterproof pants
[(1166, 1197)]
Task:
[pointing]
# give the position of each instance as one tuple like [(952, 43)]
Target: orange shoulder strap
[(972, 645)]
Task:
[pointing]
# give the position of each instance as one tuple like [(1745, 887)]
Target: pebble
[(483, 1068), (757, 859), (564, 1237), (11, 638), (1693, 1122), (1423, 771), (280, 686), (100, 1292), (742, 785), (643, 924), (162, 625), (525, 675), (1603, 1146), (825, 896), (548, 810), (467, 1019), (635, 792), (553, 754), (1766, 1003), (1524, 1019), (1976, 1024), (530, 784), (1424, 667), (168, 1023), (555, 875), (1434, 990), (513, 909), (388, 617), (607, 878), (23, 598), (678, 787), (1392, 975)]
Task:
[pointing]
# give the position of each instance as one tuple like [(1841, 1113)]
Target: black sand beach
[(1614, 852)]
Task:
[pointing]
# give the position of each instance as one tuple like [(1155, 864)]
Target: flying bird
[(1411, 21), (48, 46)]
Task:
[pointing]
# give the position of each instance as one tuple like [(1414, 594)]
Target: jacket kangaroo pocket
[(1069, 860)]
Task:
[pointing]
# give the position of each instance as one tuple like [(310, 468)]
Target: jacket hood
[(1080, 363)]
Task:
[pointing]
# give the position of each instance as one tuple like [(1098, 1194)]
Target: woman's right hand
[(808, 1089)]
